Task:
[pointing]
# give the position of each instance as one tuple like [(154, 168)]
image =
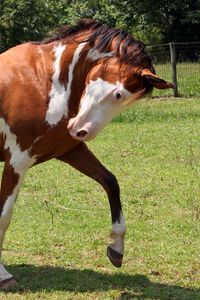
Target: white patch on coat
[(119, 230), (59, 95), (96, 54), (10, 201), (57, 100), (20, 161), (4, 223)]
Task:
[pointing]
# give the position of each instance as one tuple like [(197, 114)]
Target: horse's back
[(14, 64)]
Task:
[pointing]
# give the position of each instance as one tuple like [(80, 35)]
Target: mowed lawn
[(57, 241)]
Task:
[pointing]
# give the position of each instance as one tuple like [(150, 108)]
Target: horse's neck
[(68, 73)]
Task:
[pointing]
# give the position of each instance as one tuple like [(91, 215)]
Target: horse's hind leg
[(83, 160), (10, 184)]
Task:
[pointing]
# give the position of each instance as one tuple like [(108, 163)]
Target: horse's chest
[(44, 144), (54, 143)]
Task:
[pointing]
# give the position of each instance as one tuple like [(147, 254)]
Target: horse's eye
[(118, 95)]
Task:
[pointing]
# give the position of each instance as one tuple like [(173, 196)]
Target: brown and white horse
[(59, 93)]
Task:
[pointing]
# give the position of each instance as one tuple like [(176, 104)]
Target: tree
[(152, 21), (24, 20)]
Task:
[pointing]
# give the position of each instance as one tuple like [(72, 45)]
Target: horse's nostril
[(81, 133)]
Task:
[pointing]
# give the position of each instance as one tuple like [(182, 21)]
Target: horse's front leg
[(82, 159), (12, 178)]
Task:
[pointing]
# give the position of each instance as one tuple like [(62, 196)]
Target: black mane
[(133, 51)]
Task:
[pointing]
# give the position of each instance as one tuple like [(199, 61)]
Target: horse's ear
[(155, 80)]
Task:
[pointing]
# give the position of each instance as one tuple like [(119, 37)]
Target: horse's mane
[(101, 36)]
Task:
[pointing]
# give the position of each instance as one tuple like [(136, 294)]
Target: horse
[(59, 93)]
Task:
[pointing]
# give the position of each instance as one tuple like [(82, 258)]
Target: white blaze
[(97, 91), (98, 106)]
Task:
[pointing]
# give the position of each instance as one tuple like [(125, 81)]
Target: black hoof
[(8, 284), (115, 257)]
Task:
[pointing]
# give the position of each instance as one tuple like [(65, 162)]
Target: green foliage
[(149, 20), (22, 21)]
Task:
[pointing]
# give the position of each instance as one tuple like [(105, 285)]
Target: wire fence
[(180, 64)]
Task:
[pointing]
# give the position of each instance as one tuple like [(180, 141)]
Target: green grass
[(187, 79), (56, 243)]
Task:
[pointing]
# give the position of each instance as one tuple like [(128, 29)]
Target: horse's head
[(114, 83)]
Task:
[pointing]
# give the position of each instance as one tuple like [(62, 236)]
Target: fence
[(180, 64)]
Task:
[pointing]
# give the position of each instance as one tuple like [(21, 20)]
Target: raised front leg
[(82, 159), (10, 185)]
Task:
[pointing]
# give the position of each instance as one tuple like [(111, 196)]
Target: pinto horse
[(59, 93)]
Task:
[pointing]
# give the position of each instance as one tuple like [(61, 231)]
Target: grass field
[(56, 243), (187, 79)]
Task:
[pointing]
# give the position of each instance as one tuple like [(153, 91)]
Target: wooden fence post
[(173, 64)]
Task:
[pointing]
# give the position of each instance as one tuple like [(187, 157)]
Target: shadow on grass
[(51, 279)]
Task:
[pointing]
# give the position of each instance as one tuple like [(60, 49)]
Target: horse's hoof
[(8, 284), (115, 257)]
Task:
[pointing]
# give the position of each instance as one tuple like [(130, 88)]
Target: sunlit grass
[(56, 244), (187, 78)]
